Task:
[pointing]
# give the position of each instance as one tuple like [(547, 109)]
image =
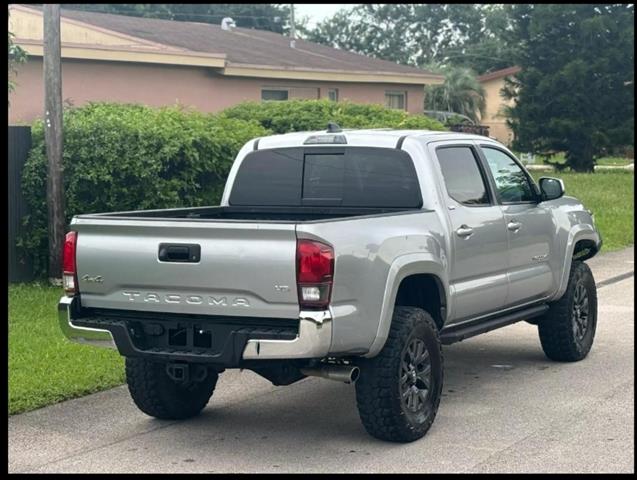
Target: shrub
[(300, 115), (128, 157)]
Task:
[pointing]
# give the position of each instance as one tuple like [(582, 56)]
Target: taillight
[(69, 271), (314, 273)]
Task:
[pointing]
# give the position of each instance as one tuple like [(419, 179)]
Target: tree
[(572, 94), (489, 50), (261, 16), (467, 35), (461, 93), (17, 55), (412, 34)]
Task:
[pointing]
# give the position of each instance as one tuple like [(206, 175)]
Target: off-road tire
[(157, 395), (562, 339), (378, 390)]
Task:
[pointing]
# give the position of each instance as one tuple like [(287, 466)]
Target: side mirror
[(551, 188)]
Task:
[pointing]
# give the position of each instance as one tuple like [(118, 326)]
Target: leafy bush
[(300, 115), (128, 157)]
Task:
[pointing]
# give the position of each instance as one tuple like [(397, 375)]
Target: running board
[(457, 333)]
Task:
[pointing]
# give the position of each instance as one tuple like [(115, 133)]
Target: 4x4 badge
[(95, 279)]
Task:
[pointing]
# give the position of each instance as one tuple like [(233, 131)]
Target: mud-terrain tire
[(389, 407), (157, 395), (567, 330)]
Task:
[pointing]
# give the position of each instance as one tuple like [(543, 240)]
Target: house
[(494, 112), (162, 62)]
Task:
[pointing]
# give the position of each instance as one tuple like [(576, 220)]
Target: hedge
[(128, 157), (300, 115)]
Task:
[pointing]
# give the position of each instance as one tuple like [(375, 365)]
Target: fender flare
[(401, 268), (577, 233)]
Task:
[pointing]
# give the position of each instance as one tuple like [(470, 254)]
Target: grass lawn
[(609, 194), (606, 161), (44, 367)]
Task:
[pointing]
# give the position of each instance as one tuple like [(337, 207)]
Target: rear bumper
[(313, 340), (90, 336)]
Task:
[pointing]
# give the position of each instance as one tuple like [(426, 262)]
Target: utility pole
[(292, 27), (53, 138)]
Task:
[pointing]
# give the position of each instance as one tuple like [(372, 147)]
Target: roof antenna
[(333, 127)]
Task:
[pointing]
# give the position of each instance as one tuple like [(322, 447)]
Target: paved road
[(506, 408)]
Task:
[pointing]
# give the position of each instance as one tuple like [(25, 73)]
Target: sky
[(318, 11)]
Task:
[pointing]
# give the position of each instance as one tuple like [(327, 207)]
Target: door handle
[(514, 226), (184, 253), (464, 231)]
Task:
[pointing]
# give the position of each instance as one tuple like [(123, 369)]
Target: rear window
[(348, 177)]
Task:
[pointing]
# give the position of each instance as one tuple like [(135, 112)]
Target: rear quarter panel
[(365, 251)]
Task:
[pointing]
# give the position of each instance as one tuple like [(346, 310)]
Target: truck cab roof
[(378, 137)]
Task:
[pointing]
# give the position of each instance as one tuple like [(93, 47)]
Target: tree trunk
[(581, 161)]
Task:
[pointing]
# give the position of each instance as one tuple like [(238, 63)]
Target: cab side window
[(463, 179), (510, 180)]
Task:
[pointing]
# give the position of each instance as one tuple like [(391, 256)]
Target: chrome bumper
[(313, 341), (89, 336)]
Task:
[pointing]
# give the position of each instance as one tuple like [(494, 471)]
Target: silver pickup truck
[(351, 255)]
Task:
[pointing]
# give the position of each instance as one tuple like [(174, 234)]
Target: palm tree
[(461, 93)]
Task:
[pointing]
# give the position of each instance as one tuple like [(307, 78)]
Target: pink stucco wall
[(159, 85)]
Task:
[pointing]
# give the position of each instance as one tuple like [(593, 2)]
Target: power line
[(159, 14)]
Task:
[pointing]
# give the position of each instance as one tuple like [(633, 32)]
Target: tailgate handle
[(183, 252)]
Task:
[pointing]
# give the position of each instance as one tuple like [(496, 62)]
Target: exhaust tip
[(354, 374)]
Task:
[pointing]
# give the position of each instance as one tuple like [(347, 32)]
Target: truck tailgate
[(245, 269)]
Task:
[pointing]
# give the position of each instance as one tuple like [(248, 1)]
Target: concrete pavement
[(506, 408)]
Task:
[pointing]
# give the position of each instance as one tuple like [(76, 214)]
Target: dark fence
[(20, 268)]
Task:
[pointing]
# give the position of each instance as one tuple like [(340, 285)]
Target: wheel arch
[(583, 243), (408, 274)]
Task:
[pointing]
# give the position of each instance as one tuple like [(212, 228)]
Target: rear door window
[(463, 178), (348, 177)]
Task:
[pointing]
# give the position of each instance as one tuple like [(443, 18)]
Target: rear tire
[(157, 395), (399, 390), (567, 330)]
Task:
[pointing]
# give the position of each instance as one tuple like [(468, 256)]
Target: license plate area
[(193, 336), (182, 333), (197, 336)]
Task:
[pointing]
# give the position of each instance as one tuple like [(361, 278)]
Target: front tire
[(157, 395), (567, 330), (399, 390)]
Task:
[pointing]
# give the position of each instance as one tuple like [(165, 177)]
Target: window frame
[(481, 168), (534, 188), (330, 90), (275, 89), (397, 92)]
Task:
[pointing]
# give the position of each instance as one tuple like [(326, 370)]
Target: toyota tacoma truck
[(351, 255)]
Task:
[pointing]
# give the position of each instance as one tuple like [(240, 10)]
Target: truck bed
[(252, 214), (242, 262)]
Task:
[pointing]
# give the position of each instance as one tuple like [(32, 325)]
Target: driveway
[(505, 408)]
